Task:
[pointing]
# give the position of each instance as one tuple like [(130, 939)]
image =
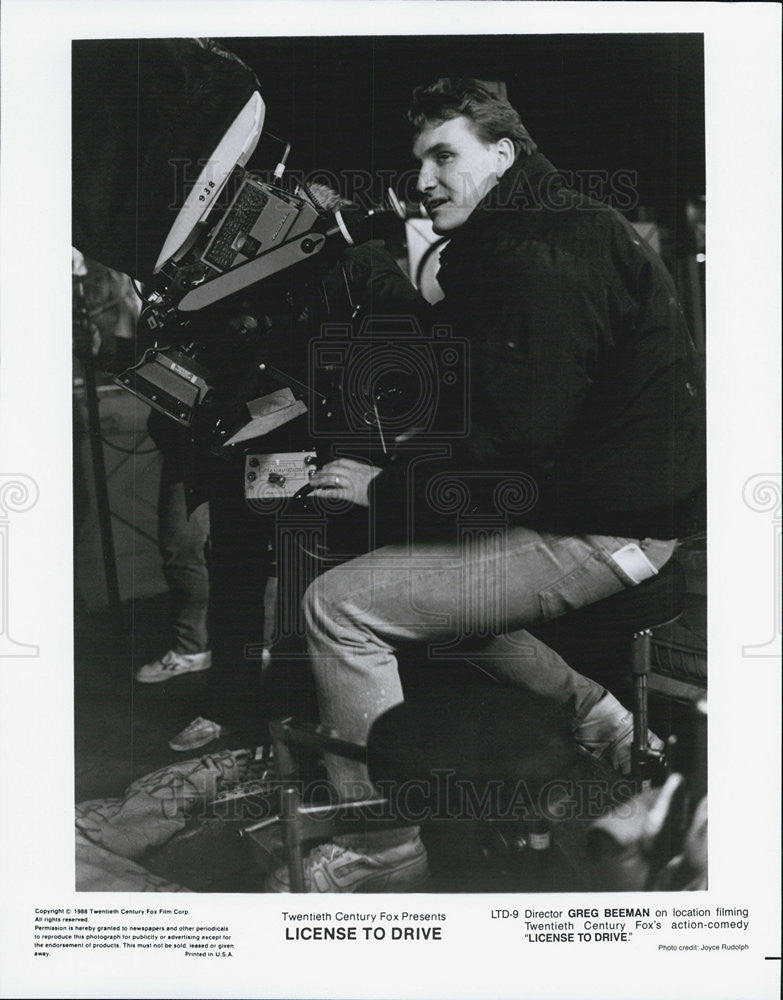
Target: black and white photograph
[(411, 478), (407, 455)]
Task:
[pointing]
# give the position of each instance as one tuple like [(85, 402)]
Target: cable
[(126, 451), (129, 451)]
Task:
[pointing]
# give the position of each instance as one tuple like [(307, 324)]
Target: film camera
[(233, 232)]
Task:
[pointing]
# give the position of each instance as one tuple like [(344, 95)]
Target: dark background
[(592, 102)]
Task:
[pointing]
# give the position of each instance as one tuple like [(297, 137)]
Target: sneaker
[(606, 732), (173, 664), (197, 734), (332, 868)]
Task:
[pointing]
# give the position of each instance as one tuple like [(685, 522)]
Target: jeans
[(472, 600), (182, 541)]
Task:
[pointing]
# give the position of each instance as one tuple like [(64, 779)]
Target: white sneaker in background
[(199, 733), (173, 664)]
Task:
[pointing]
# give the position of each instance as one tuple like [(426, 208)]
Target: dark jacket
[(582, 373)]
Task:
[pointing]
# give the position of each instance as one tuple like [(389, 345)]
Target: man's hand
[(345, 479)]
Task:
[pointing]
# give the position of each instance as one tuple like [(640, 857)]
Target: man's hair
[(492, 117)]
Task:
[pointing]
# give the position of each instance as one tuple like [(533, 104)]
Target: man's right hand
[(346, 479)]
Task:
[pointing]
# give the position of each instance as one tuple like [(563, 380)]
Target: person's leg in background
[(358, 613), (239, 565), (239, 569), (183, 541), (184, 545)]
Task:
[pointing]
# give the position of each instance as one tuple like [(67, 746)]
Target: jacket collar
[(528, 183)]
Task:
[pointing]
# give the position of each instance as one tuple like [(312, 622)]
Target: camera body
[(264, 232), (185, 370), (265, 229)]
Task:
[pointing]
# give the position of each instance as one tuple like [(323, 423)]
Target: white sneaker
[(332, 868), (198, 734), (173, 664), (606, 732)]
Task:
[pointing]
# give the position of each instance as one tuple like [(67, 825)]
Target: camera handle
[(264, 266), (347, 227)]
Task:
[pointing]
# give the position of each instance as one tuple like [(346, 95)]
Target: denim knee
[(320, 611), (333, 612)]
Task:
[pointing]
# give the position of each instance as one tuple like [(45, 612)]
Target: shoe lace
[(325, 853), (170, 660)]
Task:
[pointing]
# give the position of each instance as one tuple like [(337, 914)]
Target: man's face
[(457, 170)]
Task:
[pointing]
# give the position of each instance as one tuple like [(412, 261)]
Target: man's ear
[(506, 154)]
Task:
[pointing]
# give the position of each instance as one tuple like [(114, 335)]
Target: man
[(583, 382)]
